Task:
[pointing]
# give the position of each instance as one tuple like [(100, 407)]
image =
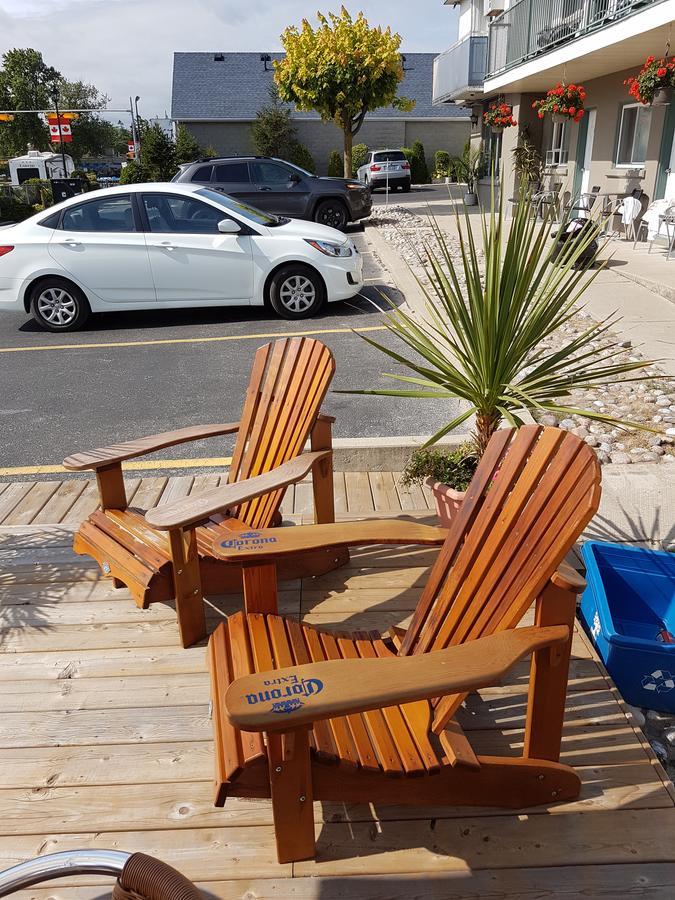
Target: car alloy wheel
[(333, 214), (57, 307), (297, 294)]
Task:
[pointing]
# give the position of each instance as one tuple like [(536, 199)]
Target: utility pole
[(140, 149)]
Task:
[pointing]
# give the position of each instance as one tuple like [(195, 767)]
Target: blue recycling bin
[(628, 610)]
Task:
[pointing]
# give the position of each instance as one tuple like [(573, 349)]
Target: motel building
[(514, 51)]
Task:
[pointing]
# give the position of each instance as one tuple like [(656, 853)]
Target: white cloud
[(125, 47)]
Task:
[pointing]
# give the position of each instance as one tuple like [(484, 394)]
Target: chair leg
[(548, 678), (187, 585), (291, 784), (260, 588), (322, 474)]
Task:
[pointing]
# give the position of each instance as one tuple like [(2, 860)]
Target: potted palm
[(527, 162), (468, 168), (482, 338)]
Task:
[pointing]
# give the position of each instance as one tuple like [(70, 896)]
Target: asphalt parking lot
[(127, 375)]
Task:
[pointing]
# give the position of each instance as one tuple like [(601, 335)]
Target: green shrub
[(420, 169), (453, 467), (300, 156), (13, 210), (441, 163), (134, 173), (335, 164), (40, 191), (359, 156)]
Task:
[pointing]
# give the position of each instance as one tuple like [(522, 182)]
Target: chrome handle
[(58, 865), (264, 188), (167, 245), (71, 241)]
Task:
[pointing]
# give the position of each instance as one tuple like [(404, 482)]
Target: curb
[(665, 291), (382, 454)]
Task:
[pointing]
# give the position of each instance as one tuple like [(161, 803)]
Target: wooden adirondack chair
[(341, 713), (166, 553)]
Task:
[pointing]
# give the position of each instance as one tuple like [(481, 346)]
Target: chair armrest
[(198, 508), (273, 543), (284, 699), (117, 453), (568, 579)]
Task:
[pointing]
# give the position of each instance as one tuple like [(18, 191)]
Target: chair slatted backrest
[(534, 491), (289, 381)]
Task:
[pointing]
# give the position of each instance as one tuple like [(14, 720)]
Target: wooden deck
[(68, 502), (105, 739)]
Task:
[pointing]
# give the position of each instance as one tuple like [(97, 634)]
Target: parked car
[(384, 167), (162, 246), (279, 187)]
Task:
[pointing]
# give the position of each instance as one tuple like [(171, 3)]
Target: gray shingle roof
[(237, 86)]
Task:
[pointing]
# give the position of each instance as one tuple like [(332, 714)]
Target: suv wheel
[(332, 213), (296, 292), (58, 305)]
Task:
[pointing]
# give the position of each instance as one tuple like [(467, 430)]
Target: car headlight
[(329, 248)]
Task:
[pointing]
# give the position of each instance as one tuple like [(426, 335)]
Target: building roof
[(222, 86)]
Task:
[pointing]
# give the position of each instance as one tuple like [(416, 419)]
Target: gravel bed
[(650, 403)]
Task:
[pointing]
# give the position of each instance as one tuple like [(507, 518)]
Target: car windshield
[(243, 209), (389, 156)]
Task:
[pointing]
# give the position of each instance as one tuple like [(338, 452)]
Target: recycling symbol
[(660, 681)]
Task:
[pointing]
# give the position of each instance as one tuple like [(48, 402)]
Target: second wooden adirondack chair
[(166, 553), (341, 713)]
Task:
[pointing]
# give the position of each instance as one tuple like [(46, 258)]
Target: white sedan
[(162, 246)]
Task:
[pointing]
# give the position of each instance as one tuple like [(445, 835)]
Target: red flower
[(572, 111), (540, 114), (662, 72)]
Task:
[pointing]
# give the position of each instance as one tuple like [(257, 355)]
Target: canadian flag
[(59, 130)]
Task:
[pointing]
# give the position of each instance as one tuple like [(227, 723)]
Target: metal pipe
[(59, 865), (43, 111)]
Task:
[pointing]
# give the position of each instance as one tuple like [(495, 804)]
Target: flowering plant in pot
[(499, 116), (483, 337), (654, 83), (564, 102), (446, 471)]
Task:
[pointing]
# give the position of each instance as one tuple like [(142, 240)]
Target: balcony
[(532, 28), (459, 72)]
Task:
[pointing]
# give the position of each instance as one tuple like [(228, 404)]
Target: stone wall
[(234, 138)]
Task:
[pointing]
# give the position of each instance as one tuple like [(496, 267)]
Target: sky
[(125, 47)]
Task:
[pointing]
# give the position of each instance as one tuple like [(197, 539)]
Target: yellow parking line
[(204, 340), (196, 463)]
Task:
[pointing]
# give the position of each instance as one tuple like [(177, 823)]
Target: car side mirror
[(229, 226), (294, 178)]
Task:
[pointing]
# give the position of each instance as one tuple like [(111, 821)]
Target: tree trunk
[(348, 152), (486, 425)]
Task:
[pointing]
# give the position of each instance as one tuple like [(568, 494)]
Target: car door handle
[(70, 242), (166, 245), (264, 188)]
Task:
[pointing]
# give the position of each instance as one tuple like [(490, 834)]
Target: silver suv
[(384, 167)]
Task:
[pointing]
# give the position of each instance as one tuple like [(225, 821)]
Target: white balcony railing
[(531, 28), (460, 70)]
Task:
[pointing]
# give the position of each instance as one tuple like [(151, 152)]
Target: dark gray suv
[(276, 186)]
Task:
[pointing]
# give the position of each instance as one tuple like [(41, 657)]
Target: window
[(269, 173), (181, 215), (232, 173), (203, 173), (557, 155), (243, 209), (51, 221), (389, 156), (108, 214), (634, 123)]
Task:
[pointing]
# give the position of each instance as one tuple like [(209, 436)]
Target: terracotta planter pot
[(448, 501), (471, 199), (663, 96)]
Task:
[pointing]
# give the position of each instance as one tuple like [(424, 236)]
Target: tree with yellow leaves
[(342, 69)]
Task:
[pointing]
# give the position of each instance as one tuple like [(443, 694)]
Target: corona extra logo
[(248, 540), (286, 694)]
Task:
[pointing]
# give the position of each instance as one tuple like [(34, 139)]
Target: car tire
[(57, 304), (296, 292), (332, 213)]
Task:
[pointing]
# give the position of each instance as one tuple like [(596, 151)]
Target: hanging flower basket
[(654, 83), (564, 103), (499, 116)]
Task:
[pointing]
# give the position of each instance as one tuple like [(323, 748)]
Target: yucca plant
[(481, 337)]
